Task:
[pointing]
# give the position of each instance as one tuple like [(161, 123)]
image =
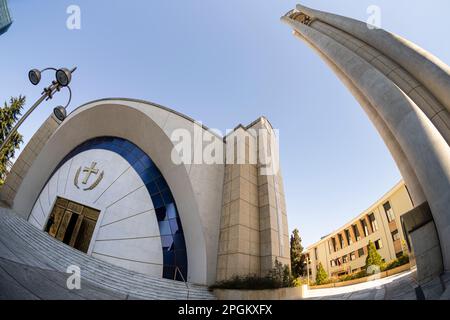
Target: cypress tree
[(297, 258)]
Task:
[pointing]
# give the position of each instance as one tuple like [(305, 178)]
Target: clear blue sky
[(223, 63)]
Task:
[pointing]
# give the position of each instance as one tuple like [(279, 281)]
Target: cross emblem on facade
[(89, 171)]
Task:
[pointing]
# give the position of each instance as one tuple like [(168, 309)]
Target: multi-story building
[(344, 251)]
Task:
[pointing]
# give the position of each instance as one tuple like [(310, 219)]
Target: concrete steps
[(35, 248)]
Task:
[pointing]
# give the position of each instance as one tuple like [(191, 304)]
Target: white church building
[(114, 181)]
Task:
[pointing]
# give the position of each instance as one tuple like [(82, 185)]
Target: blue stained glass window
[(128, 146), (136, 153), (167, 196), (161, 213), (161, 182), (179, 241), (138, 167), (169, 257), (170, 228), (117, 142), (180, 256), (173, 225), (157, 200), (164, 228), (146, 162), (152, 188), (169, 272), (130, 158), (171, 211), (150, 174), (167, 243)]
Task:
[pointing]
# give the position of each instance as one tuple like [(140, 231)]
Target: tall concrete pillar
[(402, 99), (254, 229), (424, 66), (408, 174)]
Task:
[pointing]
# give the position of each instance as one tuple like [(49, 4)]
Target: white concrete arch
[(197, 189), (391, 142), (424, 66), (426, 151)]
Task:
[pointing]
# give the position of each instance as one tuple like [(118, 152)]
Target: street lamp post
[(307, 268), (63, 77)]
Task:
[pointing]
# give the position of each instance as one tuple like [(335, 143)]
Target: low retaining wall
[(272, 294), (297, 292), (380, 275)]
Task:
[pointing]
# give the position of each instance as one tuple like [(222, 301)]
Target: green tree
[(373, 258), (297, 257), (321, 276), (9, 114), (280, 275), (405, 248)]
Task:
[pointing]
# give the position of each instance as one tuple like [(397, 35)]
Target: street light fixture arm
[(63, 78), (50, 68), (70, 97)]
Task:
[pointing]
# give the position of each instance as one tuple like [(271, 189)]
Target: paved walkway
[(24, 282), (33, 265), (397, 287)]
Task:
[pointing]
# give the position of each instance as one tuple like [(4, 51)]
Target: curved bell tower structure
[(405, 91)]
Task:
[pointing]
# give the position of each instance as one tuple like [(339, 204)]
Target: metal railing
[(177, 270)]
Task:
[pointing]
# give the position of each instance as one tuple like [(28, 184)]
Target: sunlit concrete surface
[(398, 287), (33, 266)]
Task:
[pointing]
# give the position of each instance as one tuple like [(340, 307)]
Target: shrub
[(278, 277), (353, 276), (299, 282), (321, 276), (403, 259), (373, 258)]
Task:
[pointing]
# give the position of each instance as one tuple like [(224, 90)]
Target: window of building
[(395, 235), (315, 254), (364, 227), (356, 232), (378, 244), (329, 247), (373, 222), (352, 256), (344, 259), (361, 252), (347, 237), (332, 263), (341, 240), (333, 242), (389, 212)]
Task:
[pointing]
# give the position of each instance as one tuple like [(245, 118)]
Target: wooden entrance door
[(72, 223)]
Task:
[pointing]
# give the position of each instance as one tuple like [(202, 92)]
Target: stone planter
[(270, 294)]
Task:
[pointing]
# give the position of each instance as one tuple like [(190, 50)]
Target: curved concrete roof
[(174, 112), (151, 104)]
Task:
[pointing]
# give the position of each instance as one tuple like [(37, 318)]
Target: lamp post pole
[(63, 78), (307, 268)]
